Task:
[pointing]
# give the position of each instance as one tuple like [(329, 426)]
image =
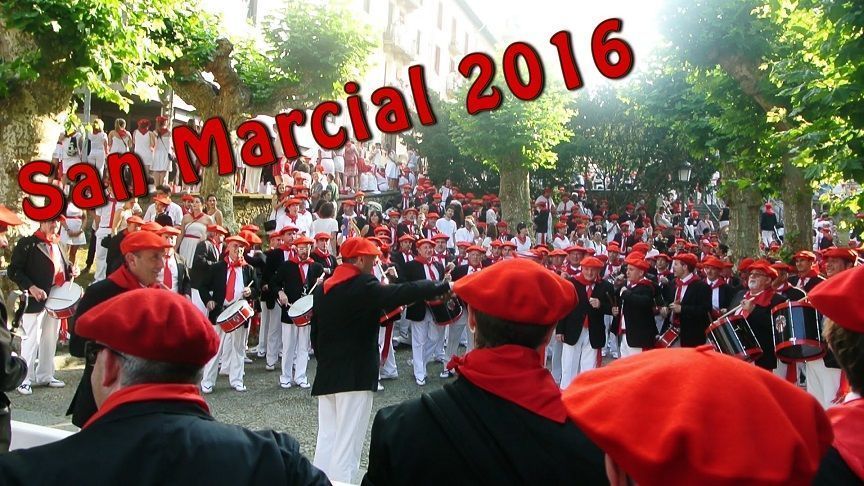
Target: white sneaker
[(421, 382), (304, 386), (380, 387), (247, 360), (206, 389), (615, 355), (24, 389), (285, 385), (55, 383), (269, 367), (239, 388), (445, 374)]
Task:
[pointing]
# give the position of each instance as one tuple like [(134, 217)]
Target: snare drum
[(732, 335), (235, 315), (388, 317), (300, 311), (797, 332), (445, 312), (63, 300), (668, 338)]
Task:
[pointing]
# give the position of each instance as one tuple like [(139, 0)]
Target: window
[(437, 60), (440, 15), (367, 6)]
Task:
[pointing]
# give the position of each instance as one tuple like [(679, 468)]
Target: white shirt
[(447, 227), (560, 242), (715, 295), (521, 246), (325, 225), (238, 284), (564, 207), (464, 234), (106, 214), (491, 218)]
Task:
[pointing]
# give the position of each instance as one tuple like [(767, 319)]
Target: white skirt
[(74, 225)]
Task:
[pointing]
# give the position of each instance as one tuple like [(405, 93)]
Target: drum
[(797, 332), (445, 312), (235, 315), (668, 338), (300, 311), (732, 335), (389, 316), (63, 300)]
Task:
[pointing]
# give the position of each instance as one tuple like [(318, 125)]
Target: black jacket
[(272, 260), (345, 329), (328, 262), (287, 279), (571, 326), (113, 258), (695, 313), (206, 254), (763, 328), (31, 264), (414, 271), (165, 443), (483, 440), (811, 283), (637, 304), (214, 288), (13, 370)]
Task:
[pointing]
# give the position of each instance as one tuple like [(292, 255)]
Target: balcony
[(399, 43)]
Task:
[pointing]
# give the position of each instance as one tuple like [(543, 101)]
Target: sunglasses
[(91, 352)]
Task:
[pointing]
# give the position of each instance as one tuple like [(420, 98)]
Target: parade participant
[(292, 215), (424, 331), (292, 280), (721, 292), (503, 233), (635, 309), (453, 332), (230, 280), (768, 224), (461, 257), (583, 331), (321, 254), (13, 369), (560, 241), (105, 219), (843, 328), (508, 250), (785, 449), (350, 222), (521, 241), (386, 273), (614, 267), (405, 253), (270, 332), (345, 327), (37, 265), (501, 421), (194, 226), (823, 375), (542, 222), (806, 274), (207, 253), (690, 310), (447, 226), (494, 251), (468, 233), (756, 304), (143, 260), (781, 282), (174, 275), (575, 255), (440, 253), (556, 260), (114, 257), (152, 425)]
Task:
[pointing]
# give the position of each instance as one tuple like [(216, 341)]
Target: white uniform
[(231, 345), (161, 161), (74, 221), (143, 148), (106, 218), (97, 150)]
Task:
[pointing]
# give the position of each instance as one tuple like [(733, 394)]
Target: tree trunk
[(744, 207), (797, 208), (515, 195)]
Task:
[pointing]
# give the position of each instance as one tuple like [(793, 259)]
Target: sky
[(535, 21)]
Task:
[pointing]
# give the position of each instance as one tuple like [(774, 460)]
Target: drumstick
[(732, 310)]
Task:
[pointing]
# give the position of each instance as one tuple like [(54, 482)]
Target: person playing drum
[(231, 279), (721, 292), (806, 274), (37, 266), (291, 281), (843, 328), (635, 313)]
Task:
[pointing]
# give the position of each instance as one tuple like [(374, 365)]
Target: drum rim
[(451, 321), (792, 303), (807, 341), (721, 321), (309, 298), (240, 303)]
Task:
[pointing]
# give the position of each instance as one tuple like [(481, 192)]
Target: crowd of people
[(518, 311)]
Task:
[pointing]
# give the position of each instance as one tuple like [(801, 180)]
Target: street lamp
[(684, 172)]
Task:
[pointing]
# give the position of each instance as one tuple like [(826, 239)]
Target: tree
[(306, 51), (514, 139), (51, 47)]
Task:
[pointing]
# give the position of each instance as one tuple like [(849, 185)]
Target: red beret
[(236, 239), (406, 237), (215, 228), (764, 267), (325, 236), (142, 240), (641, 247), (162, 199), (591, 262), (476, 248), (807, 255), (463, 244), (833, 296), (496, 244), (151, 226), (349, 202), (603, 258), (439, 236), (165, 327), (354, 247), (410, 210), (560, 225), (393, 213), (613, 247), (713, 262), (289, 228), (376, 240), (662, 437), (688, 258), (744, 264), (187, 197), (637, 260), (782, 267), (169, 230), (250, 237), (424, 241), (432, 215), (518, 290), (134, 220), (572, 248), (509, 244), (250, 227), (843, 253), (501, 224), (303, 240), (557, 252)]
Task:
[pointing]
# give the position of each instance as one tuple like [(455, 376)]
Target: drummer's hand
[(664, 311), (391, 271), (75, 272), (283, 299), (723, 311), (37, 293), (320, 279), (594, 302), (246, 292), (451, 284), (747, 305), (675, 307), (615, 311), (559, 338), (211, 305), (448, 277), (663, 280)]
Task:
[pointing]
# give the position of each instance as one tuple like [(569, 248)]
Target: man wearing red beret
[(635, 308), (690, 309), (502, 420), (755, 305), (807, 275), (823, 375), (230, 280), (175, 274), (143, 252), (653, 440), (113, 257), (345, 326), (153, 426), (843, 328), (207, 253), (721, 292)]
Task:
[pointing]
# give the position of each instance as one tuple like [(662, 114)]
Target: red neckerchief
[(47, 239), (763, 299), (521, 239), (847, 420), (680, 283), (125, 279), (122, 132), (342, 274), (298, 261), (582, 280), (143, 130), (150, 392), (385, 258), (163, 131), (196, 218), (783, 287), (513, 373), (718, 283), (239, 263), (643, 281), (812, 273), (422, 260), (322, 254)]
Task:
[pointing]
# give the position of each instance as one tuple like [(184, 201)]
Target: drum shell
[(797, 332), (389, 316), (300, 311), (668, 338), (236, 317), (446, 312), (733, 336), (62, 301)]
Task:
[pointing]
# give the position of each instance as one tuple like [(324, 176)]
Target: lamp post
[(684, 172)]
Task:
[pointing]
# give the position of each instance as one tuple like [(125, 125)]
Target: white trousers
[(342, 422), (296, 344), (611, 339), (402, 329), (577, 358), (626, 350), (424, 339), (253, 179), (554, 350), (388, 366), (230, 351), (270, 334), (42, 331), (454, 336), (822, 382), (101, 254), (198, 303), (767, 237)]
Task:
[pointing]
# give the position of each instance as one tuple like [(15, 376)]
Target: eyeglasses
[(91, 352)]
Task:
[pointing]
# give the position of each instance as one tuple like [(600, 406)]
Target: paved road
[(264, 405)]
